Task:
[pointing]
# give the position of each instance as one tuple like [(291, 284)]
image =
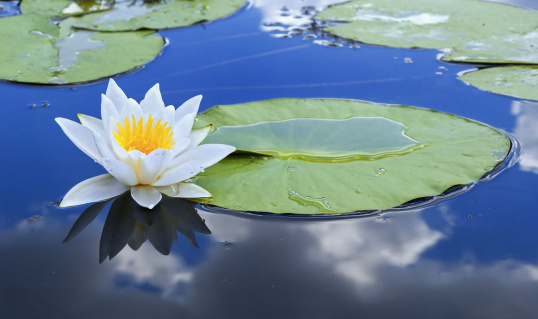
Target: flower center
[(144, 138)]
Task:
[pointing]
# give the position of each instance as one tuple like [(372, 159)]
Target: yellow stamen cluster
[(144, 138)]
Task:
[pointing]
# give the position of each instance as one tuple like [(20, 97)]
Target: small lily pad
[(339, 156), (516, 81), (512, 48), (435, 24), (164, 14), (35, 50)]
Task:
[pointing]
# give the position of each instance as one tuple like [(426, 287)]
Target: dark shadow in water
[(130, 224)]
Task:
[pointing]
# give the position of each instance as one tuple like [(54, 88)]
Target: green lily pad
[(328, 156), (34, 50), (512, 48), (435, 24), (63, 8), (164, 14), (516, 81)]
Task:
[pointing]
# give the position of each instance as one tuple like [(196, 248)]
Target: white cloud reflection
[(358, 252), (526, 132)]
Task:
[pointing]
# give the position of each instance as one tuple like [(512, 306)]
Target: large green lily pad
[(435, 24), (129, 15), (516, 81), (36, 50), (356, 156), (512, 48), (63, 8)]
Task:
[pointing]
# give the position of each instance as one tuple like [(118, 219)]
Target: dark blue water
[(472, 256)]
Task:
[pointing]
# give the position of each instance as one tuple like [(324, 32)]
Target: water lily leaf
[(164, 14), (516, 81), (35, 50), (339, 156), (511, 48), (63, 8), (435, 24)]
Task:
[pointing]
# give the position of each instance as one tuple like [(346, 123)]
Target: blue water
[(472, 256)]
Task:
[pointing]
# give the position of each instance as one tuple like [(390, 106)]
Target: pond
[(468, 256)]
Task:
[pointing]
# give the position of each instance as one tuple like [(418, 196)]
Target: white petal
[(146, 196), (129, 109), (152, 165), (116, 95), (103, 147), (108, 111), (181, 146), (153, 101), (183, 128), (189, 107), (170, 190), (180, 173), (209, 154), (169, 114), (94, 189), (197, 136), (81, 136), (190, 190), (93, 123), (121, 171), (120, 152)]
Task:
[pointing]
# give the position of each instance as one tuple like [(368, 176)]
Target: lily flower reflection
[(146, 148), (130, 224)]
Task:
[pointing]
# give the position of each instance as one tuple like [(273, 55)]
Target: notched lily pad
[(163, 14), (434, 24), (35, 50), (515, 81), (340, 156)]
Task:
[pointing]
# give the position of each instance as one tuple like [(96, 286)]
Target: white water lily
[(146, 148)]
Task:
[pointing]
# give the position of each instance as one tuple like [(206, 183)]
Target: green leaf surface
[(435, 24), (512, 48), (515, 81), (136, 15), (35, 50), (63, 8), (331, 166)]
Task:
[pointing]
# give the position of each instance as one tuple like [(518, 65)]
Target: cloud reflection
[(526, 131), (375, 267)]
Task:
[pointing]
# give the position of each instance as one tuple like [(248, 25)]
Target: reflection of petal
[(138, 237), (184, 213), (145, 215), (118, 228), (161, 235), (94, 189), (85, 219)]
